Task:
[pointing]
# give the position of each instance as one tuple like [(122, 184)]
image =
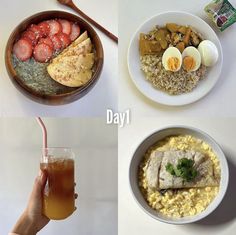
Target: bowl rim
[(47, 99), (168, 103), (222, 189)]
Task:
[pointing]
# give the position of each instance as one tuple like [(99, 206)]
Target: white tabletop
[(101, 97), (222, 95), (133, 220)]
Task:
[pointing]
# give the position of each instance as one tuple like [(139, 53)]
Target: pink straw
[(44, 130)]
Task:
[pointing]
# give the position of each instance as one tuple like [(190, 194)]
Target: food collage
[(117, 117)]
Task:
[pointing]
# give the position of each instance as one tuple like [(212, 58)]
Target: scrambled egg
[(179, 203)]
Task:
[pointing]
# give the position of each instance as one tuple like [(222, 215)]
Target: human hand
[(32, 220), (34, 208)]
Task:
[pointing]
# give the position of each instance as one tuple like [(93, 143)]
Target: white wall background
[(133, 220), (95, 145)]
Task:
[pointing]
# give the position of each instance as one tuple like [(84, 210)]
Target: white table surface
[(218, 101), (101, 97), (133, 220), (95, 172)]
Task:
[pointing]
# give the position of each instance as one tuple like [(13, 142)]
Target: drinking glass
[(58, 194)]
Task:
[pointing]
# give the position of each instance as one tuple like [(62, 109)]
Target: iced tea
[(58, 197)]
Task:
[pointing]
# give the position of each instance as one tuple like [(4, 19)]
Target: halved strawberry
[(66, 26), (47, 41), (55, 27), (30, 36), (45, 28), (23, 49), (65, 39), (57, 43), (36, 30), (75, 32), (43, 52)]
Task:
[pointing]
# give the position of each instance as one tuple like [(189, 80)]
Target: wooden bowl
[(63, 98)]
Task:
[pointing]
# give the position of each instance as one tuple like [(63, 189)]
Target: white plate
[(146, 87)]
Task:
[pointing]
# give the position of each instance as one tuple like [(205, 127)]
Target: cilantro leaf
[(170, 168), (184, 169)]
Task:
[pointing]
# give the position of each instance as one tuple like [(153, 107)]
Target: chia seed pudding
[(34, 75)]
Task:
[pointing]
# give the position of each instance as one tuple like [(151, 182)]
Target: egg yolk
[(173, 63), (189, 63)]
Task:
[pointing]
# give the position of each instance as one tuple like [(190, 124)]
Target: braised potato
[(187, 36), (148, 46), (173, 28), (160, 38), (181, 46), (182, 29)]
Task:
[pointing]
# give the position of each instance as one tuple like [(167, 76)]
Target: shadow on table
[(226, 211)]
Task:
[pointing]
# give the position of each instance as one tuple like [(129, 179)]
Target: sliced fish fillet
[(157, 177), (152, 172)]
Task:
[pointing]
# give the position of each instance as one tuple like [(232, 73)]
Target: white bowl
[(153, 138), (146, 87)]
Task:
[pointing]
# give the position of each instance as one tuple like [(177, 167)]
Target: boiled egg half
[(172, 59), (191, 59), (209, 53)]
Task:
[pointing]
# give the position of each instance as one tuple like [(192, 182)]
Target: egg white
[(171, 52), (194, 53), (209, 53)]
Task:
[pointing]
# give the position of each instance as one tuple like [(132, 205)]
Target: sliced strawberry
[(25, 38), (75, 32), (30, 36), (66, 26), (43, 53), (55, 27), (36, 30), (47, 41), (23, 49), (45, 28), (57, 43), (65, 39)]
